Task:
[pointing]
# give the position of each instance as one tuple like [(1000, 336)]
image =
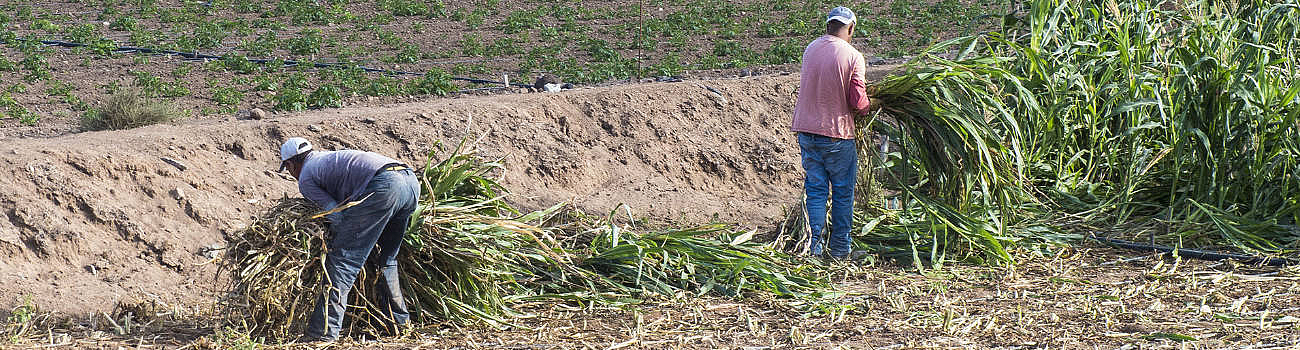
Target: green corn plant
[(1170, 121)]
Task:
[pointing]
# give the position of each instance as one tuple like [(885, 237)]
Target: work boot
[(855, 257)]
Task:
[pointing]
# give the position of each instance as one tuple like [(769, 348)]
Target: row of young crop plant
[(577, 41)]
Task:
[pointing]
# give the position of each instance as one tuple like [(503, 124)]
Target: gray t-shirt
[(331, 178)]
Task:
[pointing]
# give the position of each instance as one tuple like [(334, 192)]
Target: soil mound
[(91, 219)]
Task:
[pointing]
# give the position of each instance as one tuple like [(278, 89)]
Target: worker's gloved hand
[(334, 219)]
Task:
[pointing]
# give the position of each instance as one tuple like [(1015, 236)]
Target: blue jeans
[(379, 220), (831, 170)]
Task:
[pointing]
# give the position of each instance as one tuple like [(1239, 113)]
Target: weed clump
[(126, 110)]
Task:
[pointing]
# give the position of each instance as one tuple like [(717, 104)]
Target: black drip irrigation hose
[(1194, 253), (287, 63)]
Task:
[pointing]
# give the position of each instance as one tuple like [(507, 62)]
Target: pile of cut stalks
[(468, 256)]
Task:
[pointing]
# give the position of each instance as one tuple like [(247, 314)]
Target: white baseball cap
[(842, 14), (291, 148)]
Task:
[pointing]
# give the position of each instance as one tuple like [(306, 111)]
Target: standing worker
[(832, 90), (388, 192)]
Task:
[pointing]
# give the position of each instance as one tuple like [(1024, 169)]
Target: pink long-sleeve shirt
[(832, 88)]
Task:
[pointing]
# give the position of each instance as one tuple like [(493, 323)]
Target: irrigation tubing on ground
[(287, 63), (1194, 253)]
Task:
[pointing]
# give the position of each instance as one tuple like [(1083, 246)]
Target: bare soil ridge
[(90, 219)]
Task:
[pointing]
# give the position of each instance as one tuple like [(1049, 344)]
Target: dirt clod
[(256, 114)]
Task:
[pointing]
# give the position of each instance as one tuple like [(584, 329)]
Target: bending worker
[(832, 90), (388, 192)]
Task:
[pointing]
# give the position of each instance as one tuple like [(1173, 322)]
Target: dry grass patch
[(127, 110)]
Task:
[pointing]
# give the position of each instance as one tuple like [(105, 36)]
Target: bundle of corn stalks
[(955, 167), (463, 245), (279, 259), (468, 256), (1170, 121)]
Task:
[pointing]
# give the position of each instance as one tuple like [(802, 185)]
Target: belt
[(394, 167), (822, 137)]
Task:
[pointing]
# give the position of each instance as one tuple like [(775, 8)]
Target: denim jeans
[(379, 220), (831, 170)]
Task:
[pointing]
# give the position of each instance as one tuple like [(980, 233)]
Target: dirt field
[(47, 90)]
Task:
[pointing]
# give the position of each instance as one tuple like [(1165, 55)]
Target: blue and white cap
[(291, 148), (842, 14)]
